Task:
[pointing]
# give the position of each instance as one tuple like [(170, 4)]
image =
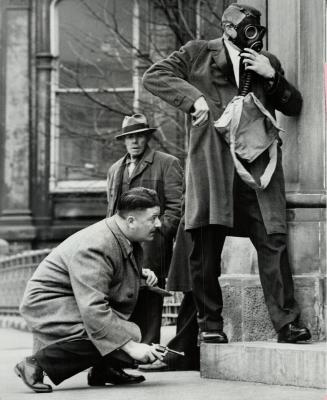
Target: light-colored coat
[(86, 287), (201, 68)]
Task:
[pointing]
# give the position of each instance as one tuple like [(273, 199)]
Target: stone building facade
[(67, 77)]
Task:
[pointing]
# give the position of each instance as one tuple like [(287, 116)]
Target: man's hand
[(201, 111), (150, 276), (142, 352), (258, 63)]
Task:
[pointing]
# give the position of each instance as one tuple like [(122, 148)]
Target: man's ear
[(230, 31), (130, 219)]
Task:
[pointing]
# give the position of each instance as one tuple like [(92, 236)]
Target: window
[(92, 89)]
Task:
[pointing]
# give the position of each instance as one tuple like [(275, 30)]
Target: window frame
[(94, 185)]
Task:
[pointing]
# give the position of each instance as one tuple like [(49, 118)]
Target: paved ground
[(14, 345)]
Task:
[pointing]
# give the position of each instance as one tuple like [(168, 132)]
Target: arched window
[(92, 88)]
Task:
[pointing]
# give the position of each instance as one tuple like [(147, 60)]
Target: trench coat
[(163, 173), (203, 68), (86, 287)]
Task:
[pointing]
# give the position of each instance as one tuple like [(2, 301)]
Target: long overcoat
[(163, 173), (86, 287), (203, 68)]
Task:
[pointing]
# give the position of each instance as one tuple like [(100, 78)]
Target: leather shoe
[(157, 366), (213, 337), (115, 376), (32, 375), (293, 333)]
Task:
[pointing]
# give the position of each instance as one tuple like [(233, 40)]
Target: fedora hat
[(136, 123)]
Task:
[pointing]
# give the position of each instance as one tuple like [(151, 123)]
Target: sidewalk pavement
[(14, 345)]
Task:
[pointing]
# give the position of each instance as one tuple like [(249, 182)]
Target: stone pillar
[(41, 202), (304, 146), (15, 214)]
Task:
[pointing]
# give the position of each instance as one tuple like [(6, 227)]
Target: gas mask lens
[(251, 32)]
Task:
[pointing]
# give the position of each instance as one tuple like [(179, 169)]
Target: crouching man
[(80, 301)]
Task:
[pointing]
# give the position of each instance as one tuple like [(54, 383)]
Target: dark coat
[(201, 68), (163, 173), (179, 276), (86, 287)]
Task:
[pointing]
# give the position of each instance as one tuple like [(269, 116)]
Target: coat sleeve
[(284, 96), (91, 274), (173, 190), (168, 79)]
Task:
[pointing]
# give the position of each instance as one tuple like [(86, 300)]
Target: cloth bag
[(250, 129)]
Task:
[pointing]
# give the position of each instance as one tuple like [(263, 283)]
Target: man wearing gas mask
[(201, 79)]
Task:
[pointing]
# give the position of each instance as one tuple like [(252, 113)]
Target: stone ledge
[(273, 363)]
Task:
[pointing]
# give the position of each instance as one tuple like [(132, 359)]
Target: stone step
[(303, 365)]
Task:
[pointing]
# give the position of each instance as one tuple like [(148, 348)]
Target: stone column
[(15, 214), (41, 202)]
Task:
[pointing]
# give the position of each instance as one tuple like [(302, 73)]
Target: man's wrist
[(127, 347), (271, 76)]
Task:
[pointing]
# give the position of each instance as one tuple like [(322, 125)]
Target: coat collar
[(124, 243), (146, 159), (133, 251), (221, 57)]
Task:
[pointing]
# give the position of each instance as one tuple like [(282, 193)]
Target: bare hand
[(201, 111), (150, 276), (258, 63), (142, 352)]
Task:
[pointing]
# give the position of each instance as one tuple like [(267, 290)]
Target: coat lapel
[(221, 58), (146, 160), (118, 181)]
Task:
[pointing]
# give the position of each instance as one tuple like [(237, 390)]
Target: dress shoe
[(115, 376), (213, 337), (157, 366), (293, 333), (32, 375)]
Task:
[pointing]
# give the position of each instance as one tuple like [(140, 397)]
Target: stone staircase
[(303, 365), (253, 354)]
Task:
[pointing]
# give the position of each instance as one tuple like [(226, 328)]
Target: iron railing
[(16, 270)]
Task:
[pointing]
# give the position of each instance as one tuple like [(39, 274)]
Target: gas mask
[(249, 34)]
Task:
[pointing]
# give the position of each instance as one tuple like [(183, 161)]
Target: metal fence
[(16, 270)]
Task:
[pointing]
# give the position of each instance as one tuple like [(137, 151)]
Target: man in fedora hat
[(142, 166), (200, 79)]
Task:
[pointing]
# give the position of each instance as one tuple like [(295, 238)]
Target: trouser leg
[(205, 269), (186, 337), (275, 275), (147, 315), (62, 360), (274, 269)]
